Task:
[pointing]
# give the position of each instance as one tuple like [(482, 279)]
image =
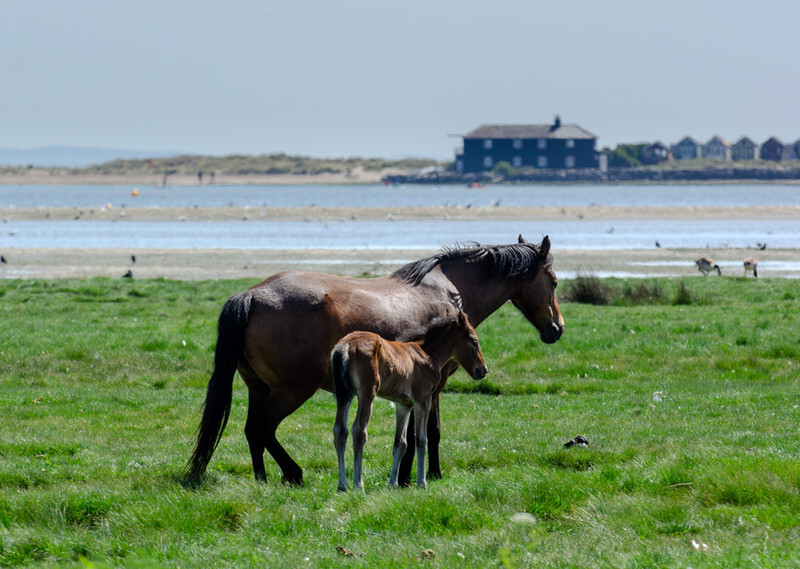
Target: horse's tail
[(230, 343), (340, 362)]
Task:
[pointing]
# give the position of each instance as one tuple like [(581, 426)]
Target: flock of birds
[(706, 264)]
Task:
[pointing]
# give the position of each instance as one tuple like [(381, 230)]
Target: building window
[(487, 162), (541, 143), (570, 143), (487, 144), (541, 161), (569, 161), (516, 161), (517, 144)]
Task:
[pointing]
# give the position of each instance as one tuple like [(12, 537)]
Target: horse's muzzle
[(551, 333), (480, 372)]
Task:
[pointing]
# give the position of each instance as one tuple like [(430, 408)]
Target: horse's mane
[(510, 262)]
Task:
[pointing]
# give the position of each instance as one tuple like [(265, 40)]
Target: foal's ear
[(544, 248), (521, 239), (462, 318)]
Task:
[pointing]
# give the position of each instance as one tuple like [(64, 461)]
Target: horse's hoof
[(293, 480)]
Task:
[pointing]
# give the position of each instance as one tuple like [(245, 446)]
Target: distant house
[(717, 149), (744, 149), (792, 151), (772, 149), (686, 149), (554, 146), (655, 153)]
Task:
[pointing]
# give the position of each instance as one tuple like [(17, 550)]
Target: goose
[(751, 264), (706, 265)]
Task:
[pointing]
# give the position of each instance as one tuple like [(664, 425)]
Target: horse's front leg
[(402, 413), (421, 412), (434, 424), (434, 436), (340, 440)]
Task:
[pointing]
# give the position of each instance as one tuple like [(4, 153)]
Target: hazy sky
[(390, 78)]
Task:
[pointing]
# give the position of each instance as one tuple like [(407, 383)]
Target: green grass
[(689, 398)]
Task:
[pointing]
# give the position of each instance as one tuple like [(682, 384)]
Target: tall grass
[(691, 410)]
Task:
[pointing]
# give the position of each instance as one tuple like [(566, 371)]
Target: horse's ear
[(521, 239), (462, 318), (544, 249)]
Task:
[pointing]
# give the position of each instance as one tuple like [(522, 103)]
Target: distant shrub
[(588, 289), (683, 296), (503, 168), (642, 293)]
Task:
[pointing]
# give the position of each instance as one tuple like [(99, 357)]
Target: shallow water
[(386, 234)]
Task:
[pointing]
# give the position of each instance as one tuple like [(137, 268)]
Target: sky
[(391, 79)]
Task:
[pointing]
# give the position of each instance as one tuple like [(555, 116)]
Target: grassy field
[(689, 401)]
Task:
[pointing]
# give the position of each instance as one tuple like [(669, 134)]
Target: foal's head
[(467, 349)]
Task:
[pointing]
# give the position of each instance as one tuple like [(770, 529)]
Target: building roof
[(522, 131), (717, 140), (687, 140), (745, 141)]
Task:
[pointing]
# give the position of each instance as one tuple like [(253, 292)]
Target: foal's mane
[(509, 262)]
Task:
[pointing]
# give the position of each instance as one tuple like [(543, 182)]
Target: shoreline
[(359, 176), (258, 264), (256, 213)]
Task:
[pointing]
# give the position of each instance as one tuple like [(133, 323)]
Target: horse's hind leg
[(265, 412)]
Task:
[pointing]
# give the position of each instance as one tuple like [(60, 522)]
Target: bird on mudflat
[(705, 265)]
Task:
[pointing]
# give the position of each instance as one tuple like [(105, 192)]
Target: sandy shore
[(203, 264)]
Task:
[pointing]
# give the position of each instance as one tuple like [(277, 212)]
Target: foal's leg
[(360, 438), (402, 413), (340, 440), (421, 412), (404, 473)]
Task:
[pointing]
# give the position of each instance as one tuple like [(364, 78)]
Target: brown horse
[(279, 334), (409, 374)]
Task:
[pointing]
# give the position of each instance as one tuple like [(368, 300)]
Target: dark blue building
[(553, 146)]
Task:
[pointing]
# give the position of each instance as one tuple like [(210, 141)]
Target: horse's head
[(467, 351), (536, 297)]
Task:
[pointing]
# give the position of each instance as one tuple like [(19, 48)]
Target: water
[(735, 195), (355, 234)]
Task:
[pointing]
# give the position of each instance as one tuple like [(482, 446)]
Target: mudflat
[(201, 264)]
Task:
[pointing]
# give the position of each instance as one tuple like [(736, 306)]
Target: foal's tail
[(340, 361), (230, 342)]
